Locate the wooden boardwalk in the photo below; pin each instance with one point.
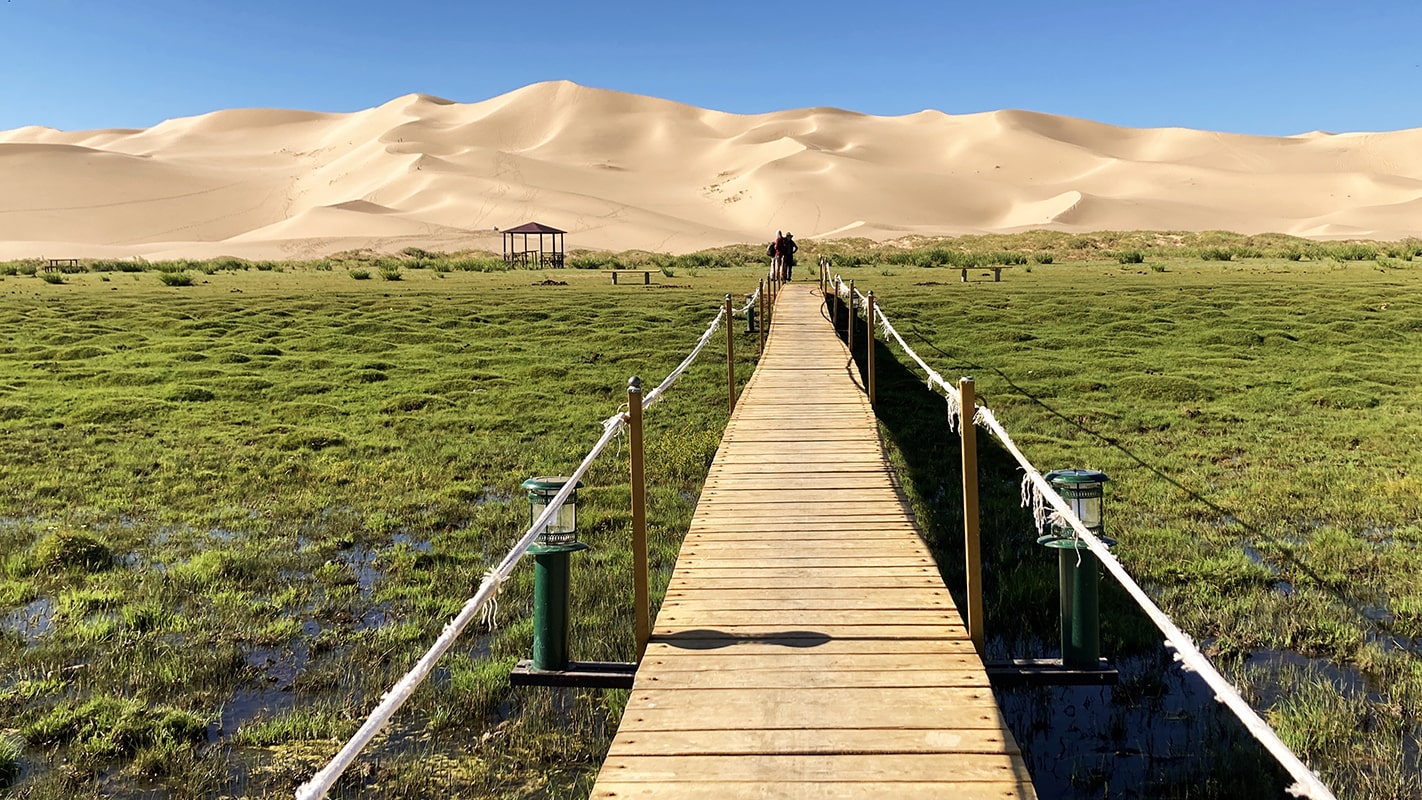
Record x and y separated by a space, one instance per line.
806 647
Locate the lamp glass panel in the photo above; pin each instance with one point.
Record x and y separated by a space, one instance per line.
1089 509
566 521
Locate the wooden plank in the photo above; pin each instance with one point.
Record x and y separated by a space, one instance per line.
804 487
809 572
800 560
764 713
807 742
870 677
719 643
815 768
858 526
731 662
788 596
712 603
679 581
818 618
767 506
612 789
866 633
830 542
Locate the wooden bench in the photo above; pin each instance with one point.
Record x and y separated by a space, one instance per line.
60 264
645 273
996 271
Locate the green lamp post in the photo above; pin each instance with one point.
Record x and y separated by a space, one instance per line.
550 552
1077 567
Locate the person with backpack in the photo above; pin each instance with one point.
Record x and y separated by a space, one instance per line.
776 262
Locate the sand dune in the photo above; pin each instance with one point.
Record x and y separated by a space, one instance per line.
620 171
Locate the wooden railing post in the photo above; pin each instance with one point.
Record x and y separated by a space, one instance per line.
852 319
869 342
834 307
730 357
967 430
641 593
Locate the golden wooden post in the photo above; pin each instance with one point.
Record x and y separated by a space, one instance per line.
851 320
967 399
730 356
869 356
641 594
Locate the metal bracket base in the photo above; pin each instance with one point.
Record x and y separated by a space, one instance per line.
1050 672
582 674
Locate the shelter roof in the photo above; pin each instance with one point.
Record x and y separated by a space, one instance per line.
533 227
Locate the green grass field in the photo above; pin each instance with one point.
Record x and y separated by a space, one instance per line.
1259 422
233 512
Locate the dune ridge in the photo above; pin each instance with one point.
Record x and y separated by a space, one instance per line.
621 171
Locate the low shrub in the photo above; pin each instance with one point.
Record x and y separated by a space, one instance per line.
52 277
175 278
1130 257
593 261
10 751
1006 259
1351 251
360 274
489 264
390 273
63 550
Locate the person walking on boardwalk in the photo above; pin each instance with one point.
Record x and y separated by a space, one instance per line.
787 253
776 261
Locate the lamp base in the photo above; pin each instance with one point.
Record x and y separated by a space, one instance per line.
1050 672
582 674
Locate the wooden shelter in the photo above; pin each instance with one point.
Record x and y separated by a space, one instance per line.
519 253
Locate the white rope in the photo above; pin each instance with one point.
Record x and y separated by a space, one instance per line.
750 302
935 380
655 395
490 617
1037 494
320 784
1306 782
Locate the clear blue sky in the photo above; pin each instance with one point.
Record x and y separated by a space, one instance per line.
1248 66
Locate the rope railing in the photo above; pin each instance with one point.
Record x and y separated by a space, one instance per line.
319 786
1037 494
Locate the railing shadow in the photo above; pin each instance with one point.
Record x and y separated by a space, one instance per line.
710 639
1255 534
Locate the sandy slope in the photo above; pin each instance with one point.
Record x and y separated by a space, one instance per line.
622 171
